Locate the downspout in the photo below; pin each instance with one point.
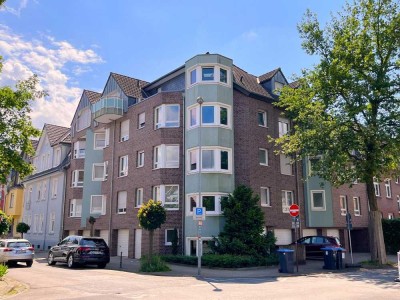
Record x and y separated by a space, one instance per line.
47 214
111 177
63 204
184 175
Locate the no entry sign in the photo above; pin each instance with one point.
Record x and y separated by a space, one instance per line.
294 210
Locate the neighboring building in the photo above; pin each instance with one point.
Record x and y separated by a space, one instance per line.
3 191
45 188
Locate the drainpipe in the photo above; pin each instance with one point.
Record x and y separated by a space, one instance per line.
111 177
47 214
64 202
183 241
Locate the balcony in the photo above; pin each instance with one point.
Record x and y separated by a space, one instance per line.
107 110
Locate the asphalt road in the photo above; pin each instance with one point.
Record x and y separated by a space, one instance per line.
59 282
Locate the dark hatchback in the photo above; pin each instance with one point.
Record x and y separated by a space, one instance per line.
313 245
78 250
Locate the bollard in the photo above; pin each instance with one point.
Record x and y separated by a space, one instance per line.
120 261
398 266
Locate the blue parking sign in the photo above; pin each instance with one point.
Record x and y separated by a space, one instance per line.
199 211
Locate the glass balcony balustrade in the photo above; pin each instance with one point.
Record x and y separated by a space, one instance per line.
108 109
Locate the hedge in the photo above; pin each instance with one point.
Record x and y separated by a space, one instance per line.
391 234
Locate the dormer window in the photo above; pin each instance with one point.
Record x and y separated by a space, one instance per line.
278 87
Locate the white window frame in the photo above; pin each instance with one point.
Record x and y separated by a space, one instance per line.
397 180
286 166
124 131
12 199
264 118
160 117
284 126
52 222
166 236
44 194
390 216
377 188
218 209
139 197
265 196
75 178
357 206
265 151
388 188
123 166
140 159
41 223
75 208
54 188
57 156
93 209
343 205
398 202
194 153
159 194
160 155
36 223
216 115
122 197
285 200
198 71
278 87
98 137
317 208
79 149
29 199
100 166
141 120
83 119
39 191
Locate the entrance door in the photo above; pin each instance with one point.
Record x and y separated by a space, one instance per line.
138 243
123 242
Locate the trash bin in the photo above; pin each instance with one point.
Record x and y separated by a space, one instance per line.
339 258
330 255
286 261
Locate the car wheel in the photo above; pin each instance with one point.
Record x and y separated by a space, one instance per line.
50 259
102 265
70 261
29 263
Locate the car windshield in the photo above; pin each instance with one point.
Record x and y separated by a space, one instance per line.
93 242
18 244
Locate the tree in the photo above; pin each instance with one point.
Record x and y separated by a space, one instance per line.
151 216
91 221
243 229
346 110
16 128
22 228
5 223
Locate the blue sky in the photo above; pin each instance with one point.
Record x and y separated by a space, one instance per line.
74 45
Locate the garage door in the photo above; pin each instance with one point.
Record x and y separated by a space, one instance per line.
138 243
283 236
332 232
309 231
104 235
123 242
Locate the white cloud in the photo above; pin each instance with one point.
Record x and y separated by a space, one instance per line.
16 10
56 63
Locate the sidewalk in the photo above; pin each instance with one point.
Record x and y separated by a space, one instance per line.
126 264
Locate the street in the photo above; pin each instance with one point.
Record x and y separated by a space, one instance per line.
59 282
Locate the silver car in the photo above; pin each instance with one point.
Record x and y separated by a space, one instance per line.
13 251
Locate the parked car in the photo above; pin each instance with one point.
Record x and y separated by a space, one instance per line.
313 245
78 250
13 251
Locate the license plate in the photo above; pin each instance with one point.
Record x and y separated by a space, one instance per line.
96 252
20 251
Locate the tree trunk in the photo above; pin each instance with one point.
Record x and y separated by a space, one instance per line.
376 241
151 235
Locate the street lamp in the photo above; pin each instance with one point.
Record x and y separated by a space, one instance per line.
200 101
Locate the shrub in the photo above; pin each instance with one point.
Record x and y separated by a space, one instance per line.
3 270
391 234
156 264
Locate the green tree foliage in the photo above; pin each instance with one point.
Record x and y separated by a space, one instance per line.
16 128
23 228
151 216
347 107
5 223
243 230
391 232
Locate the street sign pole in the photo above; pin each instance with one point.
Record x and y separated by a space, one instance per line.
294 211
199 224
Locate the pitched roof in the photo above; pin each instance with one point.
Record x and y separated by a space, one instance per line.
295 84
248 82
57 134
268 76
34 143
92 96
131 87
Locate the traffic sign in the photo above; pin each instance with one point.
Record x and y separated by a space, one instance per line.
199 214
294 210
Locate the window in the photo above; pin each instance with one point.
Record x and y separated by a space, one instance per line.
397 180
168 195
99 140
75 208
39 192
398 202
390 216
318 200
283 126
57 159
194 116
98 204
77 178
263 156
287 200
121 209
12 200
36 223
44 193
262 118
140 159
377 188
123 166
79 149
207 74
208 115
193 76
212 160
166 156
343 205
167 116
388 188
142 120
211 202
124 131
99 171
52 222
29 199
107 137
357 207
83 119
286 166
139 197
277 88
223 75
212 115
54 188
265 196
169 235
41 223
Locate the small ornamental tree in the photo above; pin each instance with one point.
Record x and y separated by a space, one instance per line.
5 223
243 230
22 228
151 216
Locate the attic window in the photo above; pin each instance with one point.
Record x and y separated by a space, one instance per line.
207 74
278 87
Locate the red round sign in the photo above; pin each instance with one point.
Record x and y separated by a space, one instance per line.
294 210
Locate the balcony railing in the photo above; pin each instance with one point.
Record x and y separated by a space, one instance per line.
108 109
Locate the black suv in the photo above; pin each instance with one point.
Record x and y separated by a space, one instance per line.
78 250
